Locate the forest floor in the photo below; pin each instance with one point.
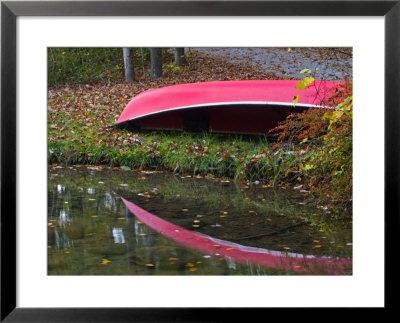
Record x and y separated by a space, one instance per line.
80 119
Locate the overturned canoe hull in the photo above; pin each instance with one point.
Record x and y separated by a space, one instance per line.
248 107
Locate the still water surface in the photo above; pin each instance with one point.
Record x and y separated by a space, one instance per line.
91 231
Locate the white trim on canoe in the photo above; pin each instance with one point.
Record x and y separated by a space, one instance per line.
248 103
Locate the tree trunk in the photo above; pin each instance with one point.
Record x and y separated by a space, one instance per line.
143 67
53 69
155 63
179 56
129 65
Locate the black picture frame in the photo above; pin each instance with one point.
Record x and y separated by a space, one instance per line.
10 10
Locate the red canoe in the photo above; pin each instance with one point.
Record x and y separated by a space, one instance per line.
252 107
240 253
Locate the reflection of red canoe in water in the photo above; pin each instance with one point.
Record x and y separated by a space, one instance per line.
210 245
223 106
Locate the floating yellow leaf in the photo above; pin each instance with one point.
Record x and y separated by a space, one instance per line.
185 210
189 264
198 262
139 222
68 252
222 216
251 211
196 221
121 218
193 269
105 261
143 234
229 248
173 259
317 246
150 265
94 216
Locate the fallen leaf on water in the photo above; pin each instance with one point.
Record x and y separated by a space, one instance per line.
121 218
105 261
150 265
216 246
173 259
189 264
185 210
317 246
94 216
251 211
196 221
222 216
142 234
68 252
193 269
229 249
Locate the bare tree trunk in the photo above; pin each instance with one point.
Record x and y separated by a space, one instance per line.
113 56
143 68
129 65
53 69
179 56
155 63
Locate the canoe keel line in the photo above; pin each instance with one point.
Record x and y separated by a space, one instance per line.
248 107
240 253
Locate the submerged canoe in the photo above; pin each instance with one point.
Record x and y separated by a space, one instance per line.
234 251
252 107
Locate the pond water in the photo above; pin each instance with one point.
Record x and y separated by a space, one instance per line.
92 232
